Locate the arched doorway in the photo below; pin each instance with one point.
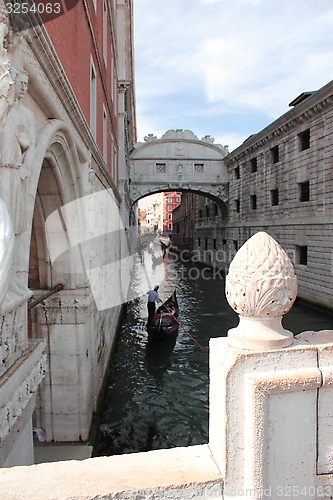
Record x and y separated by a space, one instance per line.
64 403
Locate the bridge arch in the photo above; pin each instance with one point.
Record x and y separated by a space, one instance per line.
179 161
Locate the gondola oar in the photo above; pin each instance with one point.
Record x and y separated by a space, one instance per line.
183 327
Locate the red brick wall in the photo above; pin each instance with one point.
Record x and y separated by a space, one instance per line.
73 38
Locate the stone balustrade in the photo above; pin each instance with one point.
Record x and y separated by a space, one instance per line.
270 412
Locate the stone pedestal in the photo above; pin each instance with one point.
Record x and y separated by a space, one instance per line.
270 393
263 418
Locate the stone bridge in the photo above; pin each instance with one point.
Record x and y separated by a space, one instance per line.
179 161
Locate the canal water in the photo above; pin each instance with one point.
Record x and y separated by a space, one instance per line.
158 393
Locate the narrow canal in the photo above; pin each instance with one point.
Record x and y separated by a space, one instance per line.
158 393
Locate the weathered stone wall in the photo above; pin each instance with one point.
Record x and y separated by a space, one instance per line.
289 195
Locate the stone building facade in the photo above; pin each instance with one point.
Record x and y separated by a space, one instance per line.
281 181
67 123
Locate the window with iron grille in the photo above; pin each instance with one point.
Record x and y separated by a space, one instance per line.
302 254
160 167
254 164
275 154
274 197
237 173
304 191
304 140
253 200
199 168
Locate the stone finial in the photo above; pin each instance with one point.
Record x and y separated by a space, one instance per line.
150 138
261 286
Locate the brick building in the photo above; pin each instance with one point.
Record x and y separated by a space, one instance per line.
171 200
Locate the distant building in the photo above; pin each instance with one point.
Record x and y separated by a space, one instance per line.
151 217
171 200
184 219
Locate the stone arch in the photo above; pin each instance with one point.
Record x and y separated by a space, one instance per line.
55 183
179 161
219 200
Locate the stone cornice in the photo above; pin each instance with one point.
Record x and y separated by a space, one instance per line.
301 113
141 146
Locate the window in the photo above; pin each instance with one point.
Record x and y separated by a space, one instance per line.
235 245
302 255
105 134
169 200
224 244
105 32
178 199
237 205
199 168
253 200
200 214
169 208
160 168
206 242
237 173
304 140
274 197
275 154
207 211
170 216
216 210
254 164
170 226
199 242
93 104
214 244
304 191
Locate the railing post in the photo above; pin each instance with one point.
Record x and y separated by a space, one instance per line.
263 383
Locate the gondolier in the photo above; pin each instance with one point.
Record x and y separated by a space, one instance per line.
164 323
151 304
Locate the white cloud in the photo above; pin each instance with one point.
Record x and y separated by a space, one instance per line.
237 56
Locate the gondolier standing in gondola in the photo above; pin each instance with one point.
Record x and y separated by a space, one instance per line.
151 304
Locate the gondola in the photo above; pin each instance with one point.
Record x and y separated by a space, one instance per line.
164 324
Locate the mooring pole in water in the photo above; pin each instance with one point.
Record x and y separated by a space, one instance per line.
51 292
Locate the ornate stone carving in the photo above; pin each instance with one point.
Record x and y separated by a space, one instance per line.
11 411
18 132
7 92
150 138
261 286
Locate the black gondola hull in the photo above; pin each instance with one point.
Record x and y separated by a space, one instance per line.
164 325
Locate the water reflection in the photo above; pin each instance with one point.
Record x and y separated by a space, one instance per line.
158 393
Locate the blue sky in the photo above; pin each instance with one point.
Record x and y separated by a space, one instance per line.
227 68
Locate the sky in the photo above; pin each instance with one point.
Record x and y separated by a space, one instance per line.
227 68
